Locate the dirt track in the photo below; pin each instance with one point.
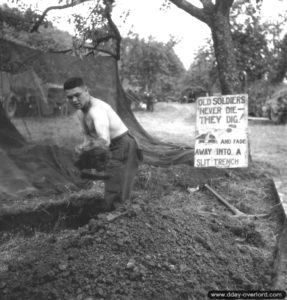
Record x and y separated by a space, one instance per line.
173 241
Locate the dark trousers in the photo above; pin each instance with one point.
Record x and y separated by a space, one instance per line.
121 169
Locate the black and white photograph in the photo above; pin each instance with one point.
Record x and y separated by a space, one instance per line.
143 149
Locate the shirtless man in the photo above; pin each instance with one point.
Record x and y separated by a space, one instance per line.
103 128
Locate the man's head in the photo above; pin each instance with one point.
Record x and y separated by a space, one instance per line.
76 92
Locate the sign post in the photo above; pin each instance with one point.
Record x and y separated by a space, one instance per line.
222 132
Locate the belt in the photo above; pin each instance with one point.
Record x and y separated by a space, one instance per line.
116 139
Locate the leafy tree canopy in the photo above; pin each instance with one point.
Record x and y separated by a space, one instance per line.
17 23
203 71
258 46
256 41
149 64
95 31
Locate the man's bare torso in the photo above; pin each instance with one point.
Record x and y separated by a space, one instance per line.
101 121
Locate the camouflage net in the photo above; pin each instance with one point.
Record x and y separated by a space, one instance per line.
31 73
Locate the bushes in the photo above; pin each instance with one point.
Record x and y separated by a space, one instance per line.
259 92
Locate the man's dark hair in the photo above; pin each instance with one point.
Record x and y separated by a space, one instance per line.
73 82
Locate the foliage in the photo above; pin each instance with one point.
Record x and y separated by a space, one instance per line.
203 71
280 69
256 41
259 49
216 15
96 29
16 26
20 18
149 64
258 91
255 53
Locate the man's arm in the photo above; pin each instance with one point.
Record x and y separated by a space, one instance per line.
86 140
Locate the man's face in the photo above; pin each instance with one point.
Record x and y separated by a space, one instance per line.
79 97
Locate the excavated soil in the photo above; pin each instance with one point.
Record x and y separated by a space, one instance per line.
174 240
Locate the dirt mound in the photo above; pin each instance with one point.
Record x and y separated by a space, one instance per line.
171 242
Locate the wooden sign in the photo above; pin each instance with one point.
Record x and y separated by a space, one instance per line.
222 132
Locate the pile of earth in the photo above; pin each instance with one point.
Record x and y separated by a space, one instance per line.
173 240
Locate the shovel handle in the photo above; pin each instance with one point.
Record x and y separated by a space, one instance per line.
234 210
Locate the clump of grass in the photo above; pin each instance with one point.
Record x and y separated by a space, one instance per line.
154 180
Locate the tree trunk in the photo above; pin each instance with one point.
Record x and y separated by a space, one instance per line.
216 16
224 53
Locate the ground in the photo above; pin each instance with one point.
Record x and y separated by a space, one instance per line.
174 240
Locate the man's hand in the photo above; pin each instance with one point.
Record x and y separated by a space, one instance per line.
91 144
93 155
95 144
79 149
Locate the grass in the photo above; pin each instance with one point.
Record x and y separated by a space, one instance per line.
269 145
172 122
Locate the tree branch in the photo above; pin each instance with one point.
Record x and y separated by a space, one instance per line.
97 43
90 47
114 28
93 48
103 39
39 22
107 52
207 4
60 51
193 10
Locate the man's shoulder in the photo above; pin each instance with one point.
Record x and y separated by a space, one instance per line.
98 106
98 103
